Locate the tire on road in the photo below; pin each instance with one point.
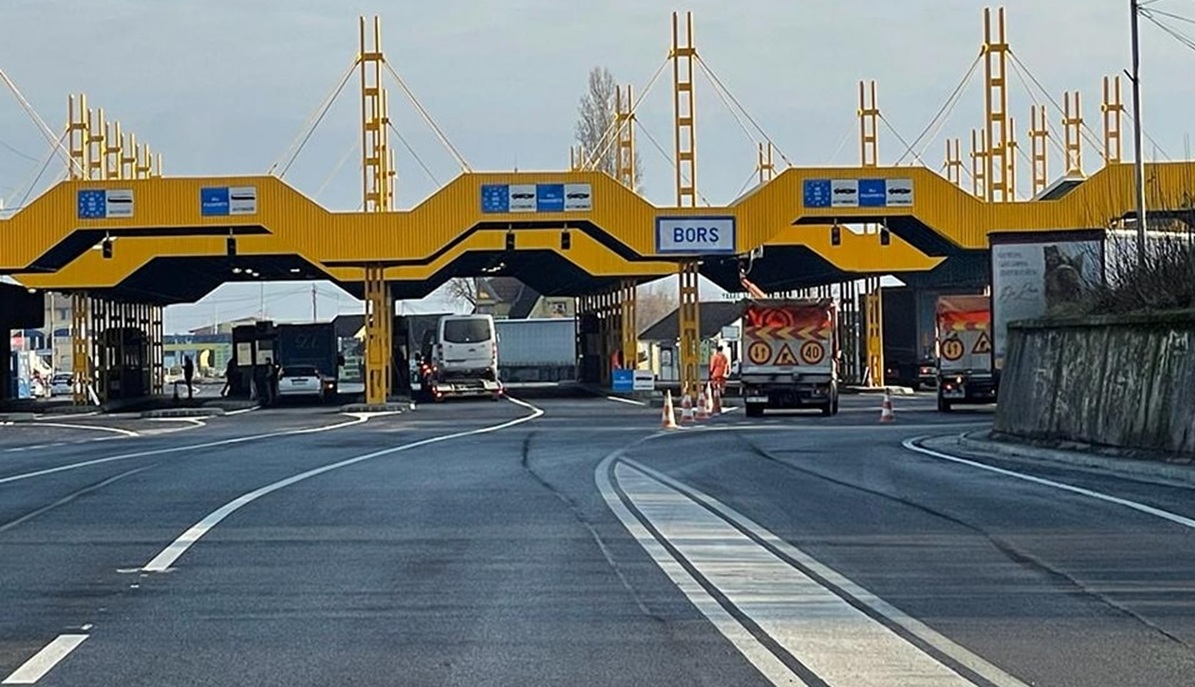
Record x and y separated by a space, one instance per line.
754 410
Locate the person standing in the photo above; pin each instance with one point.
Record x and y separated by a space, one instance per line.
189 376
719 368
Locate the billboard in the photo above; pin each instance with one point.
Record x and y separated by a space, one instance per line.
1035 273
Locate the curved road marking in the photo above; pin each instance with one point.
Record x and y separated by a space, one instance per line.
179 546
97 428
793 617
912 445
361 417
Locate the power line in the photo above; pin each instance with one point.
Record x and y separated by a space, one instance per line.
16 152
415 155
950 103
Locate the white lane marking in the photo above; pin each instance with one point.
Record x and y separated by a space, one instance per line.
915 627
179 546
43 661
241 411
628 401
911 444
764 661
813 624
173 449
96 428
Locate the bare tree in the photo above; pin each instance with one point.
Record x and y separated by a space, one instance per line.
595 121
462 290
653 303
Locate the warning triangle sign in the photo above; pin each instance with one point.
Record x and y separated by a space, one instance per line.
785 356
983 345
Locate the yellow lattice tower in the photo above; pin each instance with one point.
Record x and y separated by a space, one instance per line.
624 116
954 161
764 164
869 157
683 56
377 192
1113 109
998 155
979 165
1039 136
1072 123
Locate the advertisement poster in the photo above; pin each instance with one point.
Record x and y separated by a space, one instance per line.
1033 275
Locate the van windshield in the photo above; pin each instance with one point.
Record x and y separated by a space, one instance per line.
466 331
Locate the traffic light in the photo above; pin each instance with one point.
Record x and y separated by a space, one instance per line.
231 245
835 235
885 236
510 240
106 247
566 240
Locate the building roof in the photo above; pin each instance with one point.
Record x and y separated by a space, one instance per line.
714 316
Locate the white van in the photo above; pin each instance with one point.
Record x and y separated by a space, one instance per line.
467 347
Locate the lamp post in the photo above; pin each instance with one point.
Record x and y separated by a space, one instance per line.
1139 171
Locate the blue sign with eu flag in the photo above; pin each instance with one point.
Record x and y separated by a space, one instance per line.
214 202
495 198
817 193
93 203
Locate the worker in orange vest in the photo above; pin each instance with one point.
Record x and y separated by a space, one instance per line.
719 368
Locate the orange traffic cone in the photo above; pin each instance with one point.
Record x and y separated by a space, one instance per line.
686 408
716 401
703 408
886 408
669 419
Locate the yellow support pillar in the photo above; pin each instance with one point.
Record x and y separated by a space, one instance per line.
954 161
81 346
690 327
875 332
156 350
378 323
979 154
630 334
684 112
624 114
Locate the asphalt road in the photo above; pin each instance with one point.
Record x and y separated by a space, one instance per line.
569 541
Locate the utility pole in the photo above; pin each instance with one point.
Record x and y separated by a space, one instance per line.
1135 9
314 315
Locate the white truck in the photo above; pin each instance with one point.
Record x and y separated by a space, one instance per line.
459 357
964 343
790 355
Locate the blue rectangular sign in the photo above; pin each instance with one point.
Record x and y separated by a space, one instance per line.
873 193
93 203
549 197
214 202
495 198
623 380
817 193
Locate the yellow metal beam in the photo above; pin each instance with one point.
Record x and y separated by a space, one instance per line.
378 318
689 321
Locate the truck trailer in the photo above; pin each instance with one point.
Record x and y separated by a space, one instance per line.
790 355
964 343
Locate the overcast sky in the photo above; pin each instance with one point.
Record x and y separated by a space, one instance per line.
222 87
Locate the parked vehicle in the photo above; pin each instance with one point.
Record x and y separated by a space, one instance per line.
790 355
303 381
62 384
537 350
964 343
299 346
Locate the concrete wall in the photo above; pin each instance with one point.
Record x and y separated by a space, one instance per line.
1125 382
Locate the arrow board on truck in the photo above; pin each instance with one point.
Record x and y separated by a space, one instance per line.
759 353
812 352
785 357
983 345
952 349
